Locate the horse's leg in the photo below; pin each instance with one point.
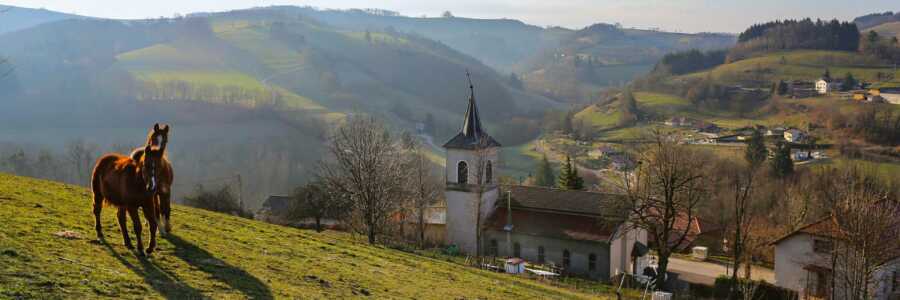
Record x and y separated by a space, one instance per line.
150 214
98 207
136 222
165 206
124 228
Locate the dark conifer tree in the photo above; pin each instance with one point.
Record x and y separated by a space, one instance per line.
756 152
544 176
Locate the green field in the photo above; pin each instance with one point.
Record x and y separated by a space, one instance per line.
800 65
210 255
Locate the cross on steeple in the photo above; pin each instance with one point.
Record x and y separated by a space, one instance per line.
471 87
472 133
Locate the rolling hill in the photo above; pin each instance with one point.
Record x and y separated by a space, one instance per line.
265 75
542 57
888 29
211 255
14 18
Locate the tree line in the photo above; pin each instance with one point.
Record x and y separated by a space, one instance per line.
796 34
685 62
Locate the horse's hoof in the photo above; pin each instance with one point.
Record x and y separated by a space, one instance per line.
150 251
140 253
129 246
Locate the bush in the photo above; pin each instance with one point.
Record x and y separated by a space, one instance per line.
222 200
764 290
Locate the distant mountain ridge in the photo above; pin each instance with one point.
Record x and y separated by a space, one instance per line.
14 18
872 20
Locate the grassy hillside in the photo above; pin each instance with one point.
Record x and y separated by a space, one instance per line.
216 256
16 18
888 29
800 64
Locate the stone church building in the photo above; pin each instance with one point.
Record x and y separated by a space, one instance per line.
568 229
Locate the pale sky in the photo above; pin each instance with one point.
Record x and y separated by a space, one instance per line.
670 15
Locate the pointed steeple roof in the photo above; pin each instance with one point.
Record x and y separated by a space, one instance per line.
472 135
472 124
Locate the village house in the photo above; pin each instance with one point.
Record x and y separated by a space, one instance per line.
573 230
603 151
680 122
775 131
435 222
802 89
794 135
803 264
826 85
274 209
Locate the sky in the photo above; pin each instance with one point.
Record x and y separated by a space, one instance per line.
670 15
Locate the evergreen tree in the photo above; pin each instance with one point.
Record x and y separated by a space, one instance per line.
543 176
568 177
782 88
568 126
756 151
849 82
628 108
782 165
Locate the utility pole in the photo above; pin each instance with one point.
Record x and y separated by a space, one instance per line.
240 191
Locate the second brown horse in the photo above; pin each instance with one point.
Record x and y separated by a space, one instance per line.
129 185
159 137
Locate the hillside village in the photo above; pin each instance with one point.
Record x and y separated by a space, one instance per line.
364 154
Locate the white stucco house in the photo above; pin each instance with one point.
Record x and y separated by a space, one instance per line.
803 264
825 86
794 135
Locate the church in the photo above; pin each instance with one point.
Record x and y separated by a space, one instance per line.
568 229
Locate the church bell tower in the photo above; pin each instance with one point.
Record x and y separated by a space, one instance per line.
471 178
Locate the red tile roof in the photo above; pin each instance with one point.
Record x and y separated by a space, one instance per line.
553 224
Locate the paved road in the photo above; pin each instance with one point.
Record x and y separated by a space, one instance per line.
705 272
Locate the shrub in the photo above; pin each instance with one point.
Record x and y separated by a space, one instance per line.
221 200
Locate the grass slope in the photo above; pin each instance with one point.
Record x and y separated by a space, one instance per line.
799 64
211 255
887 29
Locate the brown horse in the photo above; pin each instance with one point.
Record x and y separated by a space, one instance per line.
128 184
159 137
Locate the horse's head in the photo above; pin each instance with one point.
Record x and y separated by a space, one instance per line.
150 166
159 136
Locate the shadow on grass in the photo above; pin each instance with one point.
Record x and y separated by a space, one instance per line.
168 285
234 277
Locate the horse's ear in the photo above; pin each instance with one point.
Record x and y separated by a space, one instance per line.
156 127
165 129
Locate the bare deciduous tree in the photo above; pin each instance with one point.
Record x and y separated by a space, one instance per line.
742 182
664 193
80 156
424 187
366 166
866 216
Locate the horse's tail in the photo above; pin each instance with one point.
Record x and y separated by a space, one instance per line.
95 185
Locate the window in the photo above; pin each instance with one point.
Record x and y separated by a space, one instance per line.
592 262
822 246
462 173
488 173
494 250
566 258
541 254
517 250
